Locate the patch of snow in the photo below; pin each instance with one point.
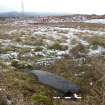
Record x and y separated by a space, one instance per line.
39 54
84 42
13 55
61 53
11 32
99 21
8 43
99 51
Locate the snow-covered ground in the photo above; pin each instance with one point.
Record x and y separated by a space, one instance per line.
66 37
99 51
99 21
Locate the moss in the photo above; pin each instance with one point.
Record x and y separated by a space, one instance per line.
57 46
21 65
94 47
41 100
38 49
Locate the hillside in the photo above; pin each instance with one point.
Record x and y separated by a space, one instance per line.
63 45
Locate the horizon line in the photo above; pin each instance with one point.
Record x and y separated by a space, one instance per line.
59 13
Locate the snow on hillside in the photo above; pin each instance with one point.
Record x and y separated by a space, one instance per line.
99 21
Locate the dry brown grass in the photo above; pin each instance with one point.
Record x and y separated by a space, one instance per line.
94 72
90 75
99 40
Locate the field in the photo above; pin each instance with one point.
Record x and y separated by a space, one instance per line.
74 50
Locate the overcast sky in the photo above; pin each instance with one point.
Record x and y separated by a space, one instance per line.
62 6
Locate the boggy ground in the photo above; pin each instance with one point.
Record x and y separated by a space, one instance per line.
73 50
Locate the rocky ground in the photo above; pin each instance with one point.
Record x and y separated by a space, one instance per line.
74 50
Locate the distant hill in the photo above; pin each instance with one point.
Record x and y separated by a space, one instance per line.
52 17
27 14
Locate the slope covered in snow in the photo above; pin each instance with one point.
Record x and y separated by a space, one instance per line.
99 21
